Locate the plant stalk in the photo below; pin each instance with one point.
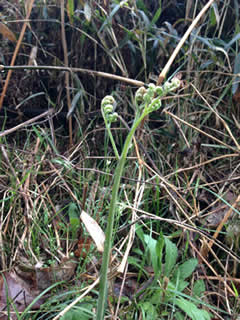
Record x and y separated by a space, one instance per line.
111 137
109 232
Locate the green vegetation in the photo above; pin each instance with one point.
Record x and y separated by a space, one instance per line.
119 176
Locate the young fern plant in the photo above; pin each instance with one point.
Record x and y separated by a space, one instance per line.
146 101
107 107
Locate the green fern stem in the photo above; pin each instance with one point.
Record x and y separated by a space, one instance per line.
146 101
109 231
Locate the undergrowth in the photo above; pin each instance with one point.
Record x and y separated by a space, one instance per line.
175 250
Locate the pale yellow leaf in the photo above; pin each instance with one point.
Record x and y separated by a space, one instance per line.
94 230
33 55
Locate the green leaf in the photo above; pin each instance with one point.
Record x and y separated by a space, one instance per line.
108 20
140 5
179 316
149 311
235 290
187 268
159 251
151 246
157 296
198 288
181 285
70 10
214 15
156 16
177 287
73 219
74 103
82 313
191 310
145 19
170 256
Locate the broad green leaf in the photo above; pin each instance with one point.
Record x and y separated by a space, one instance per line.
198 288
151 246
68 315
177 287
73 219
170 256
179 316
187 268
191 310
157 296
181 285
149 311
140 233
83 313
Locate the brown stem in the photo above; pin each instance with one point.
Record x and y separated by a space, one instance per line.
16 52
65 52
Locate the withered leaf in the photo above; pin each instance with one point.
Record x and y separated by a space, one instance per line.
46 276
7 33
220 209
19 292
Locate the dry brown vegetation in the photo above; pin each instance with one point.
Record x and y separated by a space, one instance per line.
180 187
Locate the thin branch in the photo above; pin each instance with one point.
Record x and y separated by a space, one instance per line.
86 71
21 125
162 75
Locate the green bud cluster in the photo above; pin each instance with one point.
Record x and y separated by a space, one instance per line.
139 95
150 99
108 106
171 86
147 99
154 105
